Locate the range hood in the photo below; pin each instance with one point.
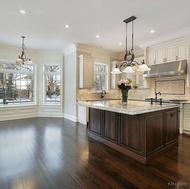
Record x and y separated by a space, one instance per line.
167 69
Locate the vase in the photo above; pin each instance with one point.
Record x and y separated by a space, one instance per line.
124 95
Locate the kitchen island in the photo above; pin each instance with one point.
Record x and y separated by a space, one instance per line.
141 130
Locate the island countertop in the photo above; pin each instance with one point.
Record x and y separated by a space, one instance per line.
131 108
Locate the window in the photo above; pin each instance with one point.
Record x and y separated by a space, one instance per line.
52 84
100 77
16 83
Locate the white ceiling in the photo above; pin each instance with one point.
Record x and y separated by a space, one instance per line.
45 20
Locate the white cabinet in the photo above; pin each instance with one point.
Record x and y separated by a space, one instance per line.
160 56
114 78
181 51
85 71
167 53
151 57
139 75
83 115
186 118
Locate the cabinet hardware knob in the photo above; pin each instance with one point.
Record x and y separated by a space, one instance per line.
171 115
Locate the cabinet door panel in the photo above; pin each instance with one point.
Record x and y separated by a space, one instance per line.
187 123
95 121
114 78
160 55
181 51
132 133
151 57
110 126
154 132
170 53
171 126
85 71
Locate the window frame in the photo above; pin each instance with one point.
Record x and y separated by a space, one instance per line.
45 74
100 73
13 71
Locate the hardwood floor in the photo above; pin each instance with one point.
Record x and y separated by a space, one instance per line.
40 153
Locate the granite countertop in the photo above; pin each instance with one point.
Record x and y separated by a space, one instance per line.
131 108
97 99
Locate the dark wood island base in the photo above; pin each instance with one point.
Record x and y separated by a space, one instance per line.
142 137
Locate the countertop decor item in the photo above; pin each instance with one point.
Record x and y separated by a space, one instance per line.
135 86
124 86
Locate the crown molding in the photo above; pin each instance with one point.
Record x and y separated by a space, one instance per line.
183 33
72 47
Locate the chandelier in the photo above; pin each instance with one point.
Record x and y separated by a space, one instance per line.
129 56
22 59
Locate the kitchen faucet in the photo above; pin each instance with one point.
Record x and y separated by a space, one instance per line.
156 94
103 93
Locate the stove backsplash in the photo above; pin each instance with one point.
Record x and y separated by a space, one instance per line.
170 88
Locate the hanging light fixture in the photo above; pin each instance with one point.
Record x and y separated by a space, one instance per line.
143 67
129 56
22 59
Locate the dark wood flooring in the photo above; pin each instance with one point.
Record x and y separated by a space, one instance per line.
55 153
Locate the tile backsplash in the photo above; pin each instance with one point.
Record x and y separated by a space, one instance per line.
170 88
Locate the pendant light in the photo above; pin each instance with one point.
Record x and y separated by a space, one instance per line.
22 59
129 56
143 67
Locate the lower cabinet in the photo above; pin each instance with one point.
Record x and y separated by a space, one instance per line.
186 119
154 132
96 121
110 126
171 126
141 137
132 133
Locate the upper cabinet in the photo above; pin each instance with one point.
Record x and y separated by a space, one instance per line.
114 78
167 53
151 57
181 51
86 71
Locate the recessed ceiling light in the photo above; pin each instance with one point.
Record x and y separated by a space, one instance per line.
22 11
120 43
97 36
152 31
66 26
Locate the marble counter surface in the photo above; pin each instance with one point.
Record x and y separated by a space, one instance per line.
131 108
